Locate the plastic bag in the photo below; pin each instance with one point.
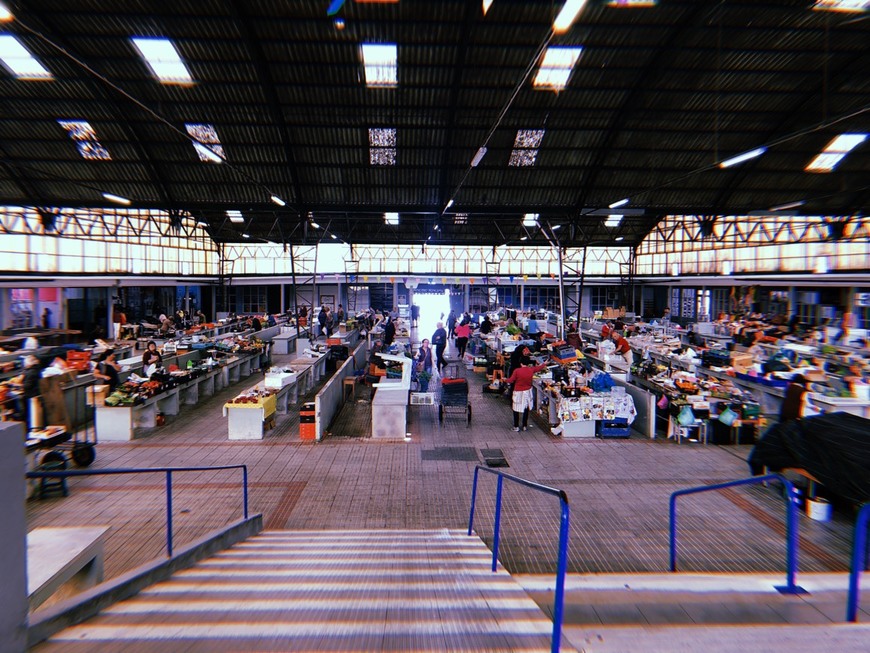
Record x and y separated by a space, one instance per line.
663 402
686 416
728 416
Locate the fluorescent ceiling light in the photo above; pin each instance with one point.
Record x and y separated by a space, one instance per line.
835 151
526 144
842 5
381 64
478 157
567 16
437 227
449 204
6 14
19 61
524 238
333 236
631 4
786 207
391 218
246 235
206 142
555 68
277 200
235 216
117 199
558 226
619 238
85 138
740 158
616 205
530 219
163 60
315 225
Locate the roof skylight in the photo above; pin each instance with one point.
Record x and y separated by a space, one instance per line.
530 219
526 145
206 142
391 218
842 5
835 151
381 64
85 139
382 146
163 60
555 68
235 216
460 218
613 220
18 60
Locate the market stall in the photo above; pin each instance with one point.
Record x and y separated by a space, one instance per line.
251 413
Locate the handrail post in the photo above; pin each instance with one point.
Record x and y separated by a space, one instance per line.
859 540
473 499
559 599
673 534
169 512
791 553
245 490
497 526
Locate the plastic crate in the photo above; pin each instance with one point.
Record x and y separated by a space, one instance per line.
422 399
613 428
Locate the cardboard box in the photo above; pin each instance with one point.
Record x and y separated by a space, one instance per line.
95 395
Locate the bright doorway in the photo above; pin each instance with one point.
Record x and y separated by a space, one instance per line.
432 306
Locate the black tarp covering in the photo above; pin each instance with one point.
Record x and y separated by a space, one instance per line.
835 448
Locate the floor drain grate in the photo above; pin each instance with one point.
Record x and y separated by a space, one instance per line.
494 458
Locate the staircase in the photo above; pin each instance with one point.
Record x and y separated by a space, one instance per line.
326 590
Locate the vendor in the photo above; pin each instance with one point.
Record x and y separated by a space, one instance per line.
107 369
623 348
796 403
486 325
29 386
151 355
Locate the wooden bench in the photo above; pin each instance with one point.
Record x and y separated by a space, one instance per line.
62 562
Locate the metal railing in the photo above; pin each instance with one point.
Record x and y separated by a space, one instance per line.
791 522
559 600
145 470
859 543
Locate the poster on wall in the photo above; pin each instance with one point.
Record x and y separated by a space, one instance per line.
328 301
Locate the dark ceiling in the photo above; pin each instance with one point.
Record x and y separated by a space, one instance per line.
659 96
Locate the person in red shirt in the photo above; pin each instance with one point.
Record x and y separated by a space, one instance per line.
521 401
606 330
622 347
463 333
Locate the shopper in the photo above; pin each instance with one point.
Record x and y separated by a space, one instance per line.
29 387
415 315
486 325
322 319
423 362
521 401
339 314
389 332
107 369
439 339
463 333
451 324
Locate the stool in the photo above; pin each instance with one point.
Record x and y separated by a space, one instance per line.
51 485
349 387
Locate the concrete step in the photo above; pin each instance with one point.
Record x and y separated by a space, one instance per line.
326 590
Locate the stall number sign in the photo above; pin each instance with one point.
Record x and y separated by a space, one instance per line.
862 299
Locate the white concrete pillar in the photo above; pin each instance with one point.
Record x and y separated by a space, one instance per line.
13 539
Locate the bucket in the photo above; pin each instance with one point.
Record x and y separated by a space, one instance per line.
818 509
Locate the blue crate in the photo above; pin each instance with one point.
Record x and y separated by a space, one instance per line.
613 428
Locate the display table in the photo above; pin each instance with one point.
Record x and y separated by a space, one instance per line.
578 415
245 421
390 403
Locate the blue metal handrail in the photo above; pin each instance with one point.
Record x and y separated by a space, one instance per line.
791 524
859 542
143 470
558 608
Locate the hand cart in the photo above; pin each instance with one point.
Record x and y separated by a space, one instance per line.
454 398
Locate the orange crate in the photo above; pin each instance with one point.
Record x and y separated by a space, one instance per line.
307 432
78 360
333 341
